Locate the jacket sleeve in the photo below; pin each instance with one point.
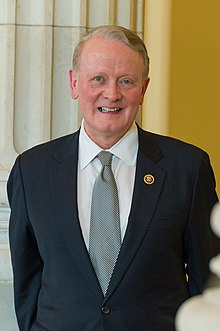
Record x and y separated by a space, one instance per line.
26 261
200 242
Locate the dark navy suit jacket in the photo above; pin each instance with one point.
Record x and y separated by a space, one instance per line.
168 235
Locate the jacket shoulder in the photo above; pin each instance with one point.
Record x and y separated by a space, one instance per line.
49 148
171 145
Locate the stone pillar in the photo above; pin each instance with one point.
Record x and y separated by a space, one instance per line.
37 39
7 153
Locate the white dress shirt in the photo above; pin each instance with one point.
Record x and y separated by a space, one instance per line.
123 166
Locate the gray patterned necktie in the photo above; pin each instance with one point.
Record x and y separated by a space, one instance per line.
105 234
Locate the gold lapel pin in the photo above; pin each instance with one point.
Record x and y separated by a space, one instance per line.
149 179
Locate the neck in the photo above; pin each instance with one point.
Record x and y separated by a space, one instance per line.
105 142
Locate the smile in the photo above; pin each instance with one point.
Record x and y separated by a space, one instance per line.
108 110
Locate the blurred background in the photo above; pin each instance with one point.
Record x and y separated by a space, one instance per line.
36 42
191 104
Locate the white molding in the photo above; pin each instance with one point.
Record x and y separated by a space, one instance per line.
157 32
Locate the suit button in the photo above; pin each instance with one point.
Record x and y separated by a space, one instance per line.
106 310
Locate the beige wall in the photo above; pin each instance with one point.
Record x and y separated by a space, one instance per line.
195 76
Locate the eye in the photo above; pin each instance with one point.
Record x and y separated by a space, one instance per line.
126 82
98 79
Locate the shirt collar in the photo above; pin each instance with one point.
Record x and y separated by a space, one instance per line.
125 149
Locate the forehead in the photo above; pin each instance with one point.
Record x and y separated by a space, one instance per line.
99 50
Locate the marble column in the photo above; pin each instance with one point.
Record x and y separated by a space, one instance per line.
7 153
36 43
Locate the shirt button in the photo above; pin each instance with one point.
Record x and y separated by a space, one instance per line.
106 310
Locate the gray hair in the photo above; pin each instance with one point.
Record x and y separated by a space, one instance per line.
113 32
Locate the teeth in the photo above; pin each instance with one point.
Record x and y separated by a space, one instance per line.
107 110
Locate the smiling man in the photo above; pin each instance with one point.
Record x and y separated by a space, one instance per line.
110 84
106 223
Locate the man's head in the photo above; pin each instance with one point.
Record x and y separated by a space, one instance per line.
109 77
113 32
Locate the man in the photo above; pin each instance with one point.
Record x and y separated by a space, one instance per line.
166 190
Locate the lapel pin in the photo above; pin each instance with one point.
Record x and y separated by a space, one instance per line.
149 179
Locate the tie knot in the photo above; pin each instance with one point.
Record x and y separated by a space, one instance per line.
105 158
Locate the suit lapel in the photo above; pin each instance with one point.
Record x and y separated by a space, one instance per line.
144 201
63 182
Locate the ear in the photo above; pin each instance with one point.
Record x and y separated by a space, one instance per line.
73 83
144 89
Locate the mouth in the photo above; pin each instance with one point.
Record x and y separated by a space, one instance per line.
109 110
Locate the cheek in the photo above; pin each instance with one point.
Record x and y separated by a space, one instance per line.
87 102
135 97
88 94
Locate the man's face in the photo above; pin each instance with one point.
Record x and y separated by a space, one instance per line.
110 88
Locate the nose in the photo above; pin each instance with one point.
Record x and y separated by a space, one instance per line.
112 91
